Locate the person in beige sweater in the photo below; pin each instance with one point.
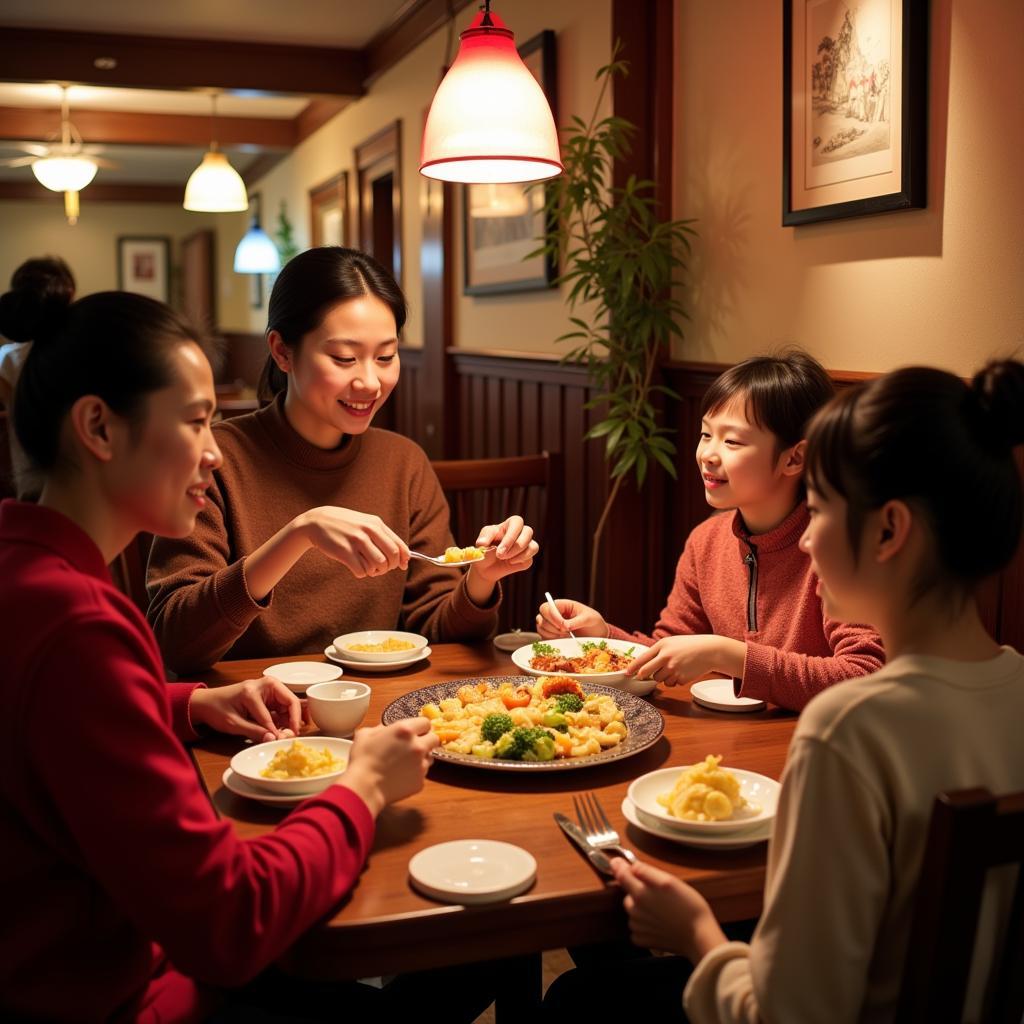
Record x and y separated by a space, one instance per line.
897 473
307 484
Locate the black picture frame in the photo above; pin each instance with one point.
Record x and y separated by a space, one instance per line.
537 273
853 97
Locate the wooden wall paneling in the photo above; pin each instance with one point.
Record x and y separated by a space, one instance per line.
199 278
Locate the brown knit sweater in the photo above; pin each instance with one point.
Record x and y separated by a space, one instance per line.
200 608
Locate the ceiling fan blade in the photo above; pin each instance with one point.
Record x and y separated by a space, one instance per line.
100 161
18 161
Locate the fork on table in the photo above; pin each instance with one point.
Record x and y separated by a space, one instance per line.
597 827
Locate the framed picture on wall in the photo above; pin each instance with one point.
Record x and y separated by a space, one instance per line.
328 212
854 113
502 224
144 266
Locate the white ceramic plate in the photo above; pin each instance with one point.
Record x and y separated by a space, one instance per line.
297 675
732 841
250 761
331 653
523 657
760 792
343 645
513 641
240 787
718 695
472 871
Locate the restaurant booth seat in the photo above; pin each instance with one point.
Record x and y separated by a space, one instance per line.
482 491
971 832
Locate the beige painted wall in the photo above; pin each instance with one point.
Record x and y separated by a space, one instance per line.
941 286
37 228
529 321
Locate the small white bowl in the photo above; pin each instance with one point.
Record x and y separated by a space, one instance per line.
338 707
760 792
522 657
297 675
343 645
251 761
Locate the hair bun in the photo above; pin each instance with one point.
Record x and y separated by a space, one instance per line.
29 316
999 393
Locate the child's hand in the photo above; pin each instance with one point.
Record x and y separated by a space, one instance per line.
666 913
259 709
580 618
675 660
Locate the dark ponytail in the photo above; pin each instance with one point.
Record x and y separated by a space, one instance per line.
924 436
113 345
41 291
309 286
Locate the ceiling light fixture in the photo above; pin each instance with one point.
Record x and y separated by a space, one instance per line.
490 121
215 186
256 252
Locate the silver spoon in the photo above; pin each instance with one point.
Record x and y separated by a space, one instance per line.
440 559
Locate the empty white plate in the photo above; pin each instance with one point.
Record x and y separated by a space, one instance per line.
513 641
718 695
472 871
331 652
730 841
297 675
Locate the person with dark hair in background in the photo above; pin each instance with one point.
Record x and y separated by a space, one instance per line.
125 896
306 483
40 289
915 498
743 603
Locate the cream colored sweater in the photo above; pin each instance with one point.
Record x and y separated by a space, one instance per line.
867 760
200 608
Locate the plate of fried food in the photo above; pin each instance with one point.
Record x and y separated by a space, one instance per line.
523 723
589 659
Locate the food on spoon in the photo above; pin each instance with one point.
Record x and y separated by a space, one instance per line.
463 554
391 644
546 720
704 792
301 761
596 657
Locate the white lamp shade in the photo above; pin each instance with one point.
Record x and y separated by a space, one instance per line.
64 173
256 253
215 187
490 121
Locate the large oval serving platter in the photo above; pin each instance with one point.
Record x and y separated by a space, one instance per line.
643 721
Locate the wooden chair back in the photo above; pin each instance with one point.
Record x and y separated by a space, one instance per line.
7 488
128 570
971 831
482 491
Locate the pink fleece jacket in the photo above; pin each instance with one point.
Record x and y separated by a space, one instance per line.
760 589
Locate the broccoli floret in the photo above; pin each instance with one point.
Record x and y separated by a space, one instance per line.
542 748
522 741
555 720
495 726
506 747
568 702
541 648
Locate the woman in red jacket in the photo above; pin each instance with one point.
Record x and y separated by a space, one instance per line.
125 897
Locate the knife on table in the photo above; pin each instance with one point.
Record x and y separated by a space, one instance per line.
596 857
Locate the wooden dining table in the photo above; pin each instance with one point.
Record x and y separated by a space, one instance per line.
385 926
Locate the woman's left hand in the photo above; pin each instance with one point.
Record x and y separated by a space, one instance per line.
665 913
259 709
514 549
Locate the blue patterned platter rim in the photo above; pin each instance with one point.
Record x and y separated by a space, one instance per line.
643 721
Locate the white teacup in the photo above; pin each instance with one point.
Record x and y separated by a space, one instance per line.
338 707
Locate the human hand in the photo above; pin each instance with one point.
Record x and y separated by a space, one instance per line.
580 618
513 550
665 913
388 762
675 660
363 543
260 709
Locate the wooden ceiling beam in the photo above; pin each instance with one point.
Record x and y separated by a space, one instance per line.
400 39
149 62
132 128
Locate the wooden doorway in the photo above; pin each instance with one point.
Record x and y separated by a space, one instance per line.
198 279
379 171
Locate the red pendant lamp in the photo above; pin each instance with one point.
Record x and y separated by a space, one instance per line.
490 121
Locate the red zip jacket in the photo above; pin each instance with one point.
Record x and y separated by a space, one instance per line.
760 589
125 898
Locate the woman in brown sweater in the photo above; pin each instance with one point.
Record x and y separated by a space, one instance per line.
307 483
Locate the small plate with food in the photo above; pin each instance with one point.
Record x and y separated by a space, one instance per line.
331 653
729 841
522 723
298 767
707 798
589 659
380 645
